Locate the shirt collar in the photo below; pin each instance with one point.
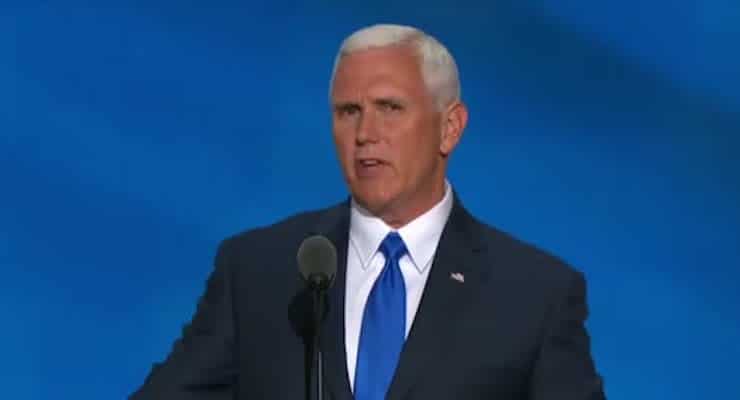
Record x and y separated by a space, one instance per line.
421 235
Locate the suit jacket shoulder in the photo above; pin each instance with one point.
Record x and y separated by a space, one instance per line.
525 261
281 235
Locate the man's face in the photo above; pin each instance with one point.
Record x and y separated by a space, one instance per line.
387 131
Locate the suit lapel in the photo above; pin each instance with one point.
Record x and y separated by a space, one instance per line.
335 226
453 279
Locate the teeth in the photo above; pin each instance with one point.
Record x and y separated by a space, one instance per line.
369 163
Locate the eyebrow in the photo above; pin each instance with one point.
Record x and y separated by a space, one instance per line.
343 105
377 101
388 100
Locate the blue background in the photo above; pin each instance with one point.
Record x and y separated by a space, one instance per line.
137 135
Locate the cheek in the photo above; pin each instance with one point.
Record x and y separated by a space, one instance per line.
417 145
345 152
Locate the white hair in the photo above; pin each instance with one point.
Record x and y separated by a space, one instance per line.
438 68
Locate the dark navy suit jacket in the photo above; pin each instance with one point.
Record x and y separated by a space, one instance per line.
514 329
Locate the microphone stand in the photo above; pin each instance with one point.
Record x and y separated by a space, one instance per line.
318 292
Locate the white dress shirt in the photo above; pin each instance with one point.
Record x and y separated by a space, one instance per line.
365 262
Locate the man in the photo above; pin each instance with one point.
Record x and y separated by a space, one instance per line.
428 302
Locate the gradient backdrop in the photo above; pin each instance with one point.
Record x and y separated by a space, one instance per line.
135 136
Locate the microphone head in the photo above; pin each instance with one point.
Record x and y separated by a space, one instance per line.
317 261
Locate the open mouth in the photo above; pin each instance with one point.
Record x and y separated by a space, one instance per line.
369 162
368 167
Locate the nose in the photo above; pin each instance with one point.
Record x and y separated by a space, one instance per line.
367 129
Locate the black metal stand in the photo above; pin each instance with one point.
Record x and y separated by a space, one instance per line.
317 361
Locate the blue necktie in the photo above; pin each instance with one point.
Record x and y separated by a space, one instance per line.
383 325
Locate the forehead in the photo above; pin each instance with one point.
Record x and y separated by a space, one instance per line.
386 69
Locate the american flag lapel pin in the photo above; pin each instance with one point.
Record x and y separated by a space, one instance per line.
457 276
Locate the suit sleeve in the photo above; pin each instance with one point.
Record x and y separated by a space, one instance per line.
201 363
565 369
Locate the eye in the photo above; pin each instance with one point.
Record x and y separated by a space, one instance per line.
388 105
345 110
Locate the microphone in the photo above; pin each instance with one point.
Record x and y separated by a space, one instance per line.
317 263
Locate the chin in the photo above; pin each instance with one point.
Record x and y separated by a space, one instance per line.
372 200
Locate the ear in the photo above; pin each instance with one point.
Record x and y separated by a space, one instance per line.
454 120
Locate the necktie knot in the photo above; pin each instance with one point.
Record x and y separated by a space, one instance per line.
393 247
